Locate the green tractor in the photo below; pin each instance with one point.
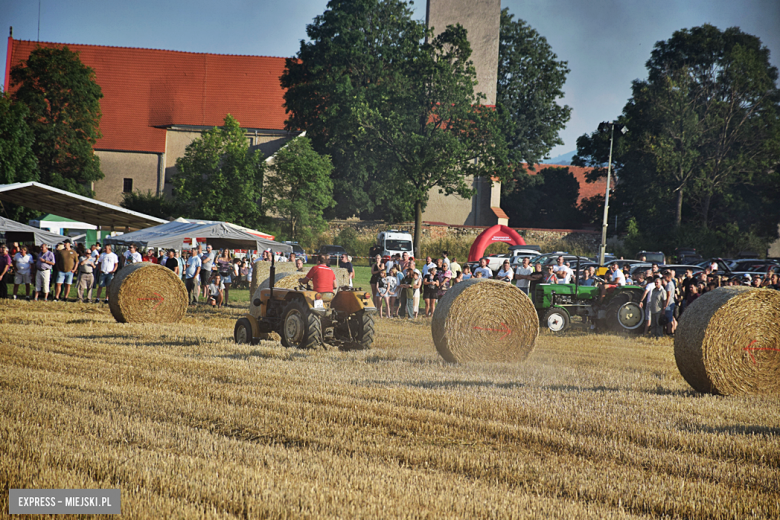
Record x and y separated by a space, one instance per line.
561 306
306 319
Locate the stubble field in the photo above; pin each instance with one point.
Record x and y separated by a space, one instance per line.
188 424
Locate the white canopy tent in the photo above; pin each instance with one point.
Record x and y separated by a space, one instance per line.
218 234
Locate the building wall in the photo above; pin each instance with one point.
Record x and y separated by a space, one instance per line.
117 166
482 20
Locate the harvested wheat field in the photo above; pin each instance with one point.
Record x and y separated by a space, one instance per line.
188 424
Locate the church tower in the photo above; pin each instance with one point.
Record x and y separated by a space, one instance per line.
482 21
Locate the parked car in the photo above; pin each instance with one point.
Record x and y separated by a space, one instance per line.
687 256
752 264
652 256
334 251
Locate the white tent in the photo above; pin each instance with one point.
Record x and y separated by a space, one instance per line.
18 232
218 234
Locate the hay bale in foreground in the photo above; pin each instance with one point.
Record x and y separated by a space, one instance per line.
147 293
485 320
728 342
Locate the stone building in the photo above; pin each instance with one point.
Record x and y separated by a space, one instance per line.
156 102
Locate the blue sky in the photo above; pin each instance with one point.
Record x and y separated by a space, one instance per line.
605 42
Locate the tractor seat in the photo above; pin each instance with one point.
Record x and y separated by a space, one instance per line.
328 296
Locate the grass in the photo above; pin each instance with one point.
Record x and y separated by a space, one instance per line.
188 424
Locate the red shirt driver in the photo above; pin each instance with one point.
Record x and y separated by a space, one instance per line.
322 277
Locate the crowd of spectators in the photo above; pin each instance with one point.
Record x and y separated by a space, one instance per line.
43 271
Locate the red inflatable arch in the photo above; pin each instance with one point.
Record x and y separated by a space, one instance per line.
497 233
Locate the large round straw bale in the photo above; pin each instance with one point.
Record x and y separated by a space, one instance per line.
728 342
283 281
484 320
262 270
147 293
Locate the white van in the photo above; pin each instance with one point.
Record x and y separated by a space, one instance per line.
388 243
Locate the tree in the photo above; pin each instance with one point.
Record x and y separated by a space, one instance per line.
63 99
17 160
547 199
150 204
220 178
400 106
530 81
299 187
705 128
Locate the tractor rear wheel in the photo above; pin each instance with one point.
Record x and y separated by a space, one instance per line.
362 328
625 315
556 320
301 328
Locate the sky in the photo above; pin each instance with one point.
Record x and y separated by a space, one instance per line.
605 42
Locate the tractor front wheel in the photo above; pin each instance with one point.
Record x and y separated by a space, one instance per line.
301 328
242 333
556 320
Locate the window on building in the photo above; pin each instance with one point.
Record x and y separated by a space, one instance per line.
128 186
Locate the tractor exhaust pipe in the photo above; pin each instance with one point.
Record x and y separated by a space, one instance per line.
272 276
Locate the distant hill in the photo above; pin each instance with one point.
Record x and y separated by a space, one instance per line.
564 159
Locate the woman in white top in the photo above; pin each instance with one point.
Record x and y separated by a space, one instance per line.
505 274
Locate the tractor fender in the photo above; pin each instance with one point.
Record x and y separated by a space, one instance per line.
255 325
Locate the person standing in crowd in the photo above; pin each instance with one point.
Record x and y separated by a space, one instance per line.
383 288
549 276
377 267
67 263
562 271
207 259
150 256
392 292
445 260
6 263
23 265
216 291
523 275
225 270
344 263
430 290
428 264
455 267
445 281
172 263
484 269
43 267
586 280
298 265
191 273
181 265
86 276
108 263
94 251
467 272
656 305
505 274
670 288
132 256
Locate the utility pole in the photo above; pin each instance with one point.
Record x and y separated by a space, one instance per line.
602 128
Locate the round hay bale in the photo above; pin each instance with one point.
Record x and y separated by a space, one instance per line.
262 270
728 342
484 320
147 293
283 281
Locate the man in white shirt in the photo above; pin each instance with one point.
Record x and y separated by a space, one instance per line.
22 263
484 269
562 271
132 256
107 266
428 264
523 275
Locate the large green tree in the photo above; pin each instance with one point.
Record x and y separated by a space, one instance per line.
299 188
395 102
705 136
530 83
220 178
63 100
547 199
17 159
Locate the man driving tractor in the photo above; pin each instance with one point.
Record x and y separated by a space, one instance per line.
322 277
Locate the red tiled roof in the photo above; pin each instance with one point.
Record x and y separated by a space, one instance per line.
587 189
499 212
148 88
